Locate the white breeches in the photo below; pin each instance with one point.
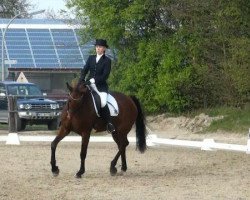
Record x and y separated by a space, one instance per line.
103 95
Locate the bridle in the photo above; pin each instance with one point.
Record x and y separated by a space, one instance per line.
75 99
78 99
70 111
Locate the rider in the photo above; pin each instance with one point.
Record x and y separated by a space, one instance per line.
99 67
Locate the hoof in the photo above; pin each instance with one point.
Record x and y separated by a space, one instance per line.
55 172
113 171
124 169
78 175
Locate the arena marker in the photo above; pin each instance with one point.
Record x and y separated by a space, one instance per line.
248 143
13 139
150 140
207 145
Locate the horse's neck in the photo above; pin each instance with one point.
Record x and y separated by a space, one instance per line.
87 106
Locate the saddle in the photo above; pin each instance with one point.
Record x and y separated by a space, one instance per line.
111 102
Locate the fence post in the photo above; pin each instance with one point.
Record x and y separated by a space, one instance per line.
12 112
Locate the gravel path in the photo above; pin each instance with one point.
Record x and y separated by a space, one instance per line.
160 173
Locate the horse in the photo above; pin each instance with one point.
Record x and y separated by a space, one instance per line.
79 116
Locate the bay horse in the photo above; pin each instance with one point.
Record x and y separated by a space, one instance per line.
80 117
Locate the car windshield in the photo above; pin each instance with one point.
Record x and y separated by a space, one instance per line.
30 90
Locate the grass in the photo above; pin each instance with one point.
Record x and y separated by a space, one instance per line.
235 119
4 126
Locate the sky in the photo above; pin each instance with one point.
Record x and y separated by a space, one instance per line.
56 5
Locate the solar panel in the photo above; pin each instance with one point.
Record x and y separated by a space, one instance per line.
44 44
17 48
67 48
43 47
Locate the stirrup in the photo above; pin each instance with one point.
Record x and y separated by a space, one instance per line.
110 128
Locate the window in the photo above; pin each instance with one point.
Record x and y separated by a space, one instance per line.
2 90
12 90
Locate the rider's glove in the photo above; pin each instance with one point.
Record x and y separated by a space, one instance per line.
92 80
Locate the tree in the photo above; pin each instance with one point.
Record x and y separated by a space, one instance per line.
174 55
9 8
221 33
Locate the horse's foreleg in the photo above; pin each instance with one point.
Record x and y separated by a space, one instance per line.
59 137
85 142
54 168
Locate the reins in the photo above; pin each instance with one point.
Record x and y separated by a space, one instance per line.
70 111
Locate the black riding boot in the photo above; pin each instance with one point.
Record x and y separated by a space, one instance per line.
106 116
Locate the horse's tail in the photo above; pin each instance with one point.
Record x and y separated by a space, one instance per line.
140 127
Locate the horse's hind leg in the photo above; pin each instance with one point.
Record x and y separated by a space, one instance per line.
113 163
122 144
113 169
125 143
59 137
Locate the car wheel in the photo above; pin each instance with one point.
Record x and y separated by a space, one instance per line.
53 124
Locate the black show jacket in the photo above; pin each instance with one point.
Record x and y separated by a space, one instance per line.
99 71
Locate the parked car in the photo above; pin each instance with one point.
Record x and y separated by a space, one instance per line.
32 107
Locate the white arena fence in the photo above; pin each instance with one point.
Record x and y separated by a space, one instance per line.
152 140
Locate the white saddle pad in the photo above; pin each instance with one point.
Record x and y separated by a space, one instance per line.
113 106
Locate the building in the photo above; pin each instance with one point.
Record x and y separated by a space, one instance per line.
49 52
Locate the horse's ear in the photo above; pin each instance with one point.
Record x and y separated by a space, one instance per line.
69 87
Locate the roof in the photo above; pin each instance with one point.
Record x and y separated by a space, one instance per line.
33 21
43 44
15 83
39 23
